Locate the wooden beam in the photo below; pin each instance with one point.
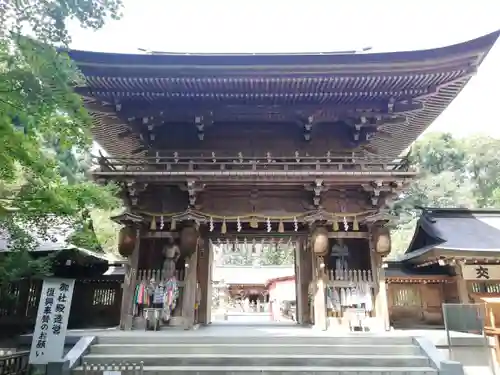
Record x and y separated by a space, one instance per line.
164 110
463 292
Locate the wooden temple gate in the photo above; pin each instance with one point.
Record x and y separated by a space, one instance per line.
302 148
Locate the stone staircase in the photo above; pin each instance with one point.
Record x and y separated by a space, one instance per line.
186 355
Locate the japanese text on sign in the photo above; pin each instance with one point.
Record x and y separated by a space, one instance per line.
481 272
52 320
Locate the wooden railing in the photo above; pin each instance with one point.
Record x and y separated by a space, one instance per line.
350 276
15 364
179 163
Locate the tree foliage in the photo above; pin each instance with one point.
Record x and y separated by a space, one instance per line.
42 123
455 172
256 255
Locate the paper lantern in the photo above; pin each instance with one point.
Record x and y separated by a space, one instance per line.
382 240
127 238
188 240
319 241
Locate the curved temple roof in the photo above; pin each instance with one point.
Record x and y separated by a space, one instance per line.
145 82
445 231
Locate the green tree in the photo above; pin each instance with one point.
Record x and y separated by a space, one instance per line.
438 152
39 112
256 255
277 254
237 255
482 166
454 173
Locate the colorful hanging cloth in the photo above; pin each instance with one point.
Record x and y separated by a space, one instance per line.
141 296
171 294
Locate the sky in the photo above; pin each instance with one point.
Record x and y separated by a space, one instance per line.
255 26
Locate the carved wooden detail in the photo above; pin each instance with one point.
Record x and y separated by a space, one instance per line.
164 198
345 201
244 201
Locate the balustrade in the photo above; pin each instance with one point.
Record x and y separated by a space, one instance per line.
341 276
15 363
179 163
146 275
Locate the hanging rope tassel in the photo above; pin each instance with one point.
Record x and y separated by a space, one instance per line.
152 226
355 224
173 225
335 226
223 229
281 227
254 223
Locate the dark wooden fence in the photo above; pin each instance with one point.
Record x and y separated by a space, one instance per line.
14 364
96 303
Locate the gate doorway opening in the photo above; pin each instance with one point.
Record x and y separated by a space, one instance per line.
254 282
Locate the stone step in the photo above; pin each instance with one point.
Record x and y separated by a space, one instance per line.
273 370
276 340
260 360
253 349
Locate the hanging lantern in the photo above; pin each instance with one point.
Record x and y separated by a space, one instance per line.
319 241
381 237
127 238
188 239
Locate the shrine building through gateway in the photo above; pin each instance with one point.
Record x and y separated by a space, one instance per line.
302 149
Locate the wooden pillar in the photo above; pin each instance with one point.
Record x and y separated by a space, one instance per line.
298 284
204 280
380 290
303 280
462 290
380 245
320 321
210 284
190 288
131 268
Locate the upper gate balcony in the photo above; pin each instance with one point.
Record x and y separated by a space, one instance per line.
182 166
